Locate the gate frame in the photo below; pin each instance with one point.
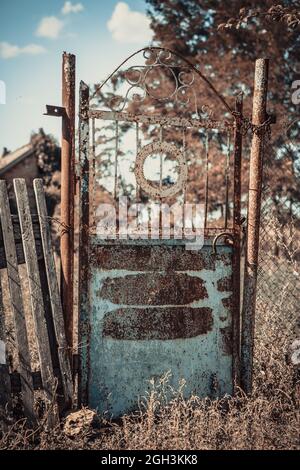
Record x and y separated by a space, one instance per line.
255 168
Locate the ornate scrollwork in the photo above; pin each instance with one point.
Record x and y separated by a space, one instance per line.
162 78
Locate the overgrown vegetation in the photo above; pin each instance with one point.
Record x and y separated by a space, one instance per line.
269 419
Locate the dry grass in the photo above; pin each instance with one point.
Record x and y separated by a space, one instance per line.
267 420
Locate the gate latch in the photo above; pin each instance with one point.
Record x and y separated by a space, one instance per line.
57 111
228 237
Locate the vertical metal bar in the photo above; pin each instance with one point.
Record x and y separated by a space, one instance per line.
93 145
67 192
92 177
236 258
185 187
116 160
137 150
206 178
252 243
227 181
84 223
160 158
238 141
160 178
184 154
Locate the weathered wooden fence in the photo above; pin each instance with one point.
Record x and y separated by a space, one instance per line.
25 238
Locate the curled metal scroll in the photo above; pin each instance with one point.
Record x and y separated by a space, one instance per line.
182 75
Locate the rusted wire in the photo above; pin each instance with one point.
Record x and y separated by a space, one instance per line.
246 125
54 219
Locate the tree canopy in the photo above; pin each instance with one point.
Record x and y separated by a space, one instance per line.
225 38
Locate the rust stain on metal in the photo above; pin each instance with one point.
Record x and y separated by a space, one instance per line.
224 258
228 302
226 340
161 120
224 284
153 289
157 323
153 258
214 384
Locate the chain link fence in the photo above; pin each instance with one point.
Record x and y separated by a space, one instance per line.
278 288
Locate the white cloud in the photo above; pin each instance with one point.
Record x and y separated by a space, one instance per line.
8 51
50 27
129 26
33 49
69 7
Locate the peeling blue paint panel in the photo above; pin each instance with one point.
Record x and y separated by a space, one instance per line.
155 308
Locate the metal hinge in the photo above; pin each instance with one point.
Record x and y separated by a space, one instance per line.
57 111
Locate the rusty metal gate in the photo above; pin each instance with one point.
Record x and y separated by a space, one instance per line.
150 301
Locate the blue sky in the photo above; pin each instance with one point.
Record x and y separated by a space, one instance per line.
33 35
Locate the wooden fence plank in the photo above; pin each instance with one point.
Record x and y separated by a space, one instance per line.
24 366
5 388
15 381
57 311
51 334
18 241
48 378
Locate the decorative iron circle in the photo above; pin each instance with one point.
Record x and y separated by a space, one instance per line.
146 185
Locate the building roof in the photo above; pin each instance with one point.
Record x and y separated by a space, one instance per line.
13 158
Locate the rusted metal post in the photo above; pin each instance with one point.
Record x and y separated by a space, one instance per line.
67 192
252 242
238 138
84 224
